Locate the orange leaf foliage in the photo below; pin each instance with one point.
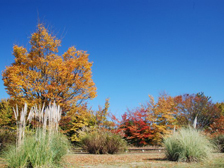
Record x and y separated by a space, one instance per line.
162 116
192 105
217 127
41 75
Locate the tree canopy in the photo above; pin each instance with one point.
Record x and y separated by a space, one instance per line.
40 75
197 105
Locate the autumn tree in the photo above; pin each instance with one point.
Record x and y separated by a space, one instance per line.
79 117
136 128
102 116
149 123
196 105
220 106
162 116
217 127
6 114
40 75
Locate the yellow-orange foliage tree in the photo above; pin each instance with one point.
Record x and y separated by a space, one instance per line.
85 120
41 75
6 115
101 116
162 116
81 118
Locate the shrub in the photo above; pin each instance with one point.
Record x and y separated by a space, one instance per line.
101 142
7 137
219 142
38 150
187 145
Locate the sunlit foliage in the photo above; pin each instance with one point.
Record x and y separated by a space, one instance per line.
102 116
163 117
79 118
190 106
137 130
6 114
40 75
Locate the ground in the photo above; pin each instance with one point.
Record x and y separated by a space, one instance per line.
136 160
133 160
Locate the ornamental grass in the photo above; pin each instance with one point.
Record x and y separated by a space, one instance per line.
188 145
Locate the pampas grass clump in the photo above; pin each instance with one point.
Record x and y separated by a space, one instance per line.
45 146
38 151
188 145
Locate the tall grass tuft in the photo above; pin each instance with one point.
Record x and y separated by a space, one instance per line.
38 151
46 146
188 145
102 142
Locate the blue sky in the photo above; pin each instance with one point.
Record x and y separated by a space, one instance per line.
139 47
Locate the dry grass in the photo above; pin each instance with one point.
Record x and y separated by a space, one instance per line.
140 160
89 160
2 163
132 160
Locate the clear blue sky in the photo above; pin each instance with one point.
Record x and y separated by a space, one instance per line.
139 47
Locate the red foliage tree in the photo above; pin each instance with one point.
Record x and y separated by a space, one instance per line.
136 129
217 127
